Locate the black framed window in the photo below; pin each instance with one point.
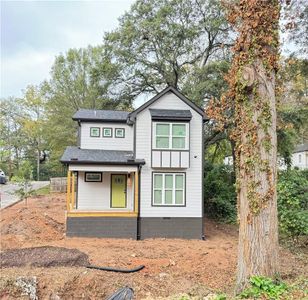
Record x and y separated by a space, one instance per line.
93 177
95 131
107 132
119 132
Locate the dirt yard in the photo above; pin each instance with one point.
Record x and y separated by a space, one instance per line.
171 266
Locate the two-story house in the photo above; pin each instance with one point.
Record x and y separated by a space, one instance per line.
138 174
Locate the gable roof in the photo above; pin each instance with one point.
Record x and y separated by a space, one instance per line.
162 93
96 115
170 114
75 155
301 148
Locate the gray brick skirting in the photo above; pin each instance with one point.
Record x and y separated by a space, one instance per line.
109 227
122 227
183 228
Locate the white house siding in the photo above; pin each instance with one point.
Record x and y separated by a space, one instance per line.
193 173
106 143
94 196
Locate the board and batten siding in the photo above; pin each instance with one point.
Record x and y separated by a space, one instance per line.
194 176
106 143
96 195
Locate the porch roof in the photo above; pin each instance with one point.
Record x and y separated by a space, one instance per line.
75 155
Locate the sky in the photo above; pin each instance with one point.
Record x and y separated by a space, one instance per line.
34 32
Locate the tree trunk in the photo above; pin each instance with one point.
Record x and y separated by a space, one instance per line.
257 198
38 165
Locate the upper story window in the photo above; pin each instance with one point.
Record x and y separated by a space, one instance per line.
95 131
119 132
171 136
107 132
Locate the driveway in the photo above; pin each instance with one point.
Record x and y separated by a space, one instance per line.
7 196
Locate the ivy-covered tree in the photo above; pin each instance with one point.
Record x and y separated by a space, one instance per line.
249 108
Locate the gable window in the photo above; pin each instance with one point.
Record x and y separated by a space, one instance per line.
107 132
95 131
171 136
168 189
119 132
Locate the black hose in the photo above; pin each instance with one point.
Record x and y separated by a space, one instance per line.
115 270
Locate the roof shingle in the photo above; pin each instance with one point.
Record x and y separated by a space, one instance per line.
301 148
75 155
101 115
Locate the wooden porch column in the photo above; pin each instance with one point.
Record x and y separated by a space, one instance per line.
73 191
68 191
136 185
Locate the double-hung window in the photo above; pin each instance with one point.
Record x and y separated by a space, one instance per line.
171 136
169 189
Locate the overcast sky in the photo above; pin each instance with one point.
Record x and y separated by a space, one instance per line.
34 32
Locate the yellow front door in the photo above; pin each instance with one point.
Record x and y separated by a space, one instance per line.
118 190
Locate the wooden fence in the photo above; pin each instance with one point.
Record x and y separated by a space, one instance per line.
58 185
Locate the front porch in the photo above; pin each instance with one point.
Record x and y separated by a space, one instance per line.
102 191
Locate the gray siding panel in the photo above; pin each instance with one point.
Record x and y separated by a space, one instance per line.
183 228
107 227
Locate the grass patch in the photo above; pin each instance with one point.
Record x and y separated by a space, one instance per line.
43 191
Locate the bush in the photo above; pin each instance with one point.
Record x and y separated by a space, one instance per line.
292 189
219 192
292 192
264 288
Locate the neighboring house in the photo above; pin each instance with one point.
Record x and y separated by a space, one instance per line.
299 158
138 174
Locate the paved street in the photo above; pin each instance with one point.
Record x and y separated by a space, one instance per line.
7 191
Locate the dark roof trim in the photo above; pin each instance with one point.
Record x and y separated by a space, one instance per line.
162 93
171 119
99 120
170 114
92 162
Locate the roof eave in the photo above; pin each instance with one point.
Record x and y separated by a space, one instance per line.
92 162
99 120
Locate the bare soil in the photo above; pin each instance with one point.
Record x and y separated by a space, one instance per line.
46 256
172 266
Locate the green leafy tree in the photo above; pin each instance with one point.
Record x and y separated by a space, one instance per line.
81 78
33 106
12 138
162 42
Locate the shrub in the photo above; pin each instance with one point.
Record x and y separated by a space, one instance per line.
292 189
264 287
219 192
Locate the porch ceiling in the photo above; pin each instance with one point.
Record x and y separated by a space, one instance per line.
103 168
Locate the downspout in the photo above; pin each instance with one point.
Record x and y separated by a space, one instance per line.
138 213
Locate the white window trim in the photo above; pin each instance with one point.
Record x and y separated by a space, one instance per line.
174 189
170 135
